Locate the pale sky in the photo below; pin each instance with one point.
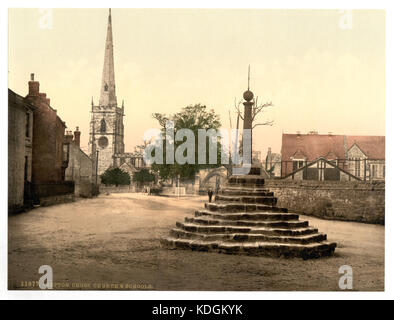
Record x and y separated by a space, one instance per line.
318 75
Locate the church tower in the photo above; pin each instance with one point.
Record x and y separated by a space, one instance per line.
106 125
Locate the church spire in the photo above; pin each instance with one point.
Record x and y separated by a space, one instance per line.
108 96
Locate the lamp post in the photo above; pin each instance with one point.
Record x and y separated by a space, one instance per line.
97 154
178 186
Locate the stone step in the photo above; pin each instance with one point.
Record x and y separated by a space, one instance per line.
284 225
184 233
268 200
246 180
196 227
246 189
241 192
254 216
242 207
287 250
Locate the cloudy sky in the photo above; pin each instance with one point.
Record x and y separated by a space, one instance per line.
323 70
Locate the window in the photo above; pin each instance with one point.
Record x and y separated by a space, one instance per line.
357 167
103 126
297 164
374 171
27 133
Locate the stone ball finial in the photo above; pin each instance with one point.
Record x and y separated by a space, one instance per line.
248 95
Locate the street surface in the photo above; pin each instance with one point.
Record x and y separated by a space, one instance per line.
112 242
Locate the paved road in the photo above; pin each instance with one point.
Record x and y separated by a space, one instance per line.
113 242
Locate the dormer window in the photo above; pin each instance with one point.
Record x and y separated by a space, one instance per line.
298 163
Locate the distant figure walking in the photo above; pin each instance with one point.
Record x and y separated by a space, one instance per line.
210 194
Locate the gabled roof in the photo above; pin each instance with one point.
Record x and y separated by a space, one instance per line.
15 100
129 168
322 145
372 146
312 145
331 155
299 154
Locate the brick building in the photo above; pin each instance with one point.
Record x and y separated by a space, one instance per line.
48 133
361 157
366 157
20 142
49 159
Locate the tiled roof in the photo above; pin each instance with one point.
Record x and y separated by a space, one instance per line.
313 146
372 146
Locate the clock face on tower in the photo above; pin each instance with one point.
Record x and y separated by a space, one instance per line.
103 142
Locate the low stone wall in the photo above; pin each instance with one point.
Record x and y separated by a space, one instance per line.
349 201
59 199
85 189
51 193
117 189
50 189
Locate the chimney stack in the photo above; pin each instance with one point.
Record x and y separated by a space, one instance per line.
77 137
34 86
68 137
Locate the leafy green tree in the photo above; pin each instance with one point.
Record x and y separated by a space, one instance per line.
143 176
192 117
115 176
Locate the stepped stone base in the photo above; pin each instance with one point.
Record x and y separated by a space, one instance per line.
244 219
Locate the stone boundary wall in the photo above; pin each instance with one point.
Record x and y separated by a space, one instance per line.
165 191
59 199
117 189
337 200
51 189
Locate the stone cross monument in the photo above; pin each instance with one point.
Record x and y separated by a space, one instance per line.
248 96
248 124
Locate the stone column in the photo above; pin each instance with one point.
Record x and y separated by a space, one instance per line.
248 105
248 116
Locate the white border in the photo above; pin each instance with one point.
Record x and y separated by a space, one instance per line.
178 295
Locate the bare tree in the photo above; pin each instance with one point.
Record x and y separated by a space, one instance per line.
256 110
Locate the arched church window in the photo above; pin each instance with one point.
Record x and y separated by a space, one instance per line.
103 126
106 87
